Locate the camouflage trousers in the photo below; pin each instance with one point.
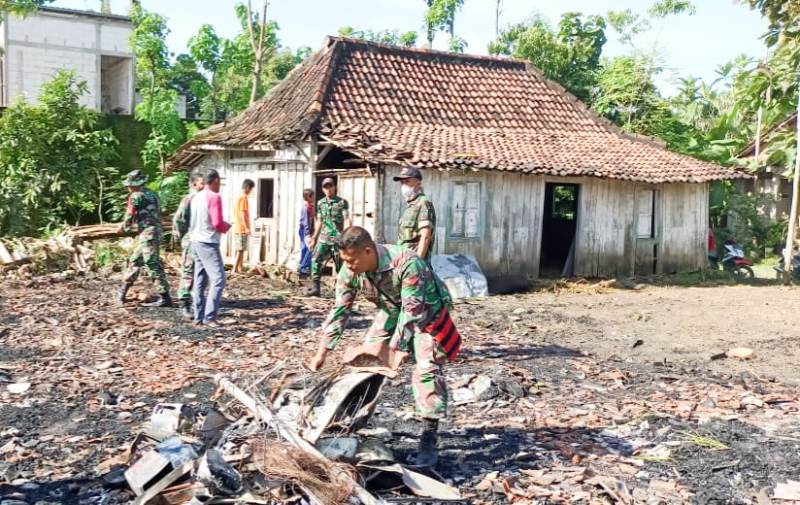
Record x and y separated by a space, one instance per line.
428 383
187 272
147 256
322 253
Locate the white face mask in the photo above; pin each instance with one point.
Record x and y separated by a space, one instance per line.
408 191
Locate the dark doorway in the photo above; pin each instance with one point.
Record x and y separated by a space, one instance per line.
558 229
266 198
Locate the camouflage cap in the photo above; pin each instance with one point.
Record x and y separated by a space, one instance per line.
409 172
135 178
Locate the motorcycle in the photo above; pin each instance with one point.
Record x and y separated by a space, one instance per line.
735 261
781 268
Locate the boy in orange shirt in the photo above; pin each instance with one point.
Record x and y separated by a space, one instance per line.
241 227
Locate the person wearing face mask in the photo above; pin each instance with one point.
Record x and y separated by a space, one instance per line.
418 221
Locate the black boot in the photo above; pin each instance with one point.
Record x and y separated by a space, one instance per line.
315 289
163 300
122 294
427 452
186 310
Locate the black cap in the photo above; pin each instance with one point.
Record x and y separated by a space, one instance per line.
328 181
409 172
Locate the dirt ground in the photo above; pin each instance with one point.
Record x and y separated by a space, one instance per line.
676 324
590 394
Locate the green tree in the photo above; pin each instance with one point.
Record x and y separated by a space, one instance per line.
20 7
148 42
457 44
263 41
206 49
441 16
626 91
663 8
570 56
233 71
54 161
392 37
783 16
190 82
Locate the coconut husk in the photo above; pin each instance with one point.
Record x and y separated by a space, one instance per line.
325 479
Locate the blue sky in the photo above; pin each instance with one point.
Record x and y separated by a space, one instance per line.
688 45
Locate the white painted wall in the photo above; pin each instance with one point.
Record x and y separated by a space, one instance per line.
31 67
40 45
277 238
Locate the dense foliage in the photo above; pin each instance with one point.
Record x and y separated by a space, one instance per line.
54 160
20 7
221 76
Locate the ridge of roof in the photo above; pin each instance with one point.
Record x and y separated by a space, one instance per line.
751 148
510 61
575 101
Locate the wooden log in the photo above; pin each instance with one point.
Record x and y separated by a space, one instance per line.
5 256
91 232
287 432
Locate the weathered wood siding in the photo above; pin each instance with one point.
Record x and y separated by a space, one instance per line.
604 236
509 218
607 241
274 240
359 191
684 224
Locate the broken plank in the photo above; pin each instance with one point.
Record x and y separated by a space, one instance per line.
286 432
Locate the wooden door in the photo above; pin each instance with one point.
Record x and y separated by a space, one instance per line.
359 191
646 231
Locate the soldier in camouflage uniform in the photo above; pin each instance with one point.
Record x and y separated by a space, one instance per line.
144 209
418 222
331 219
413 316
180 231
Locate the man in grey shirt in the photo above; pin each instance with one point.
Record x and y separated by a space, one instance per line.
205 231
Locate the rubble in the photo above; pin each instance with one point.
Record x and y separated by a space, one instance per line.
64 252
553 425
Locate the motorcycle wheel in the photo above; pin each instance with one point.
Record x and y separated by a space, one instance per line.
743 273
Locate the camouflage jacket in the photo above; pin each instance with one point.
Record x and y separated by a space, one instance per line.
181 220
332 213
144 210
403 286
418 214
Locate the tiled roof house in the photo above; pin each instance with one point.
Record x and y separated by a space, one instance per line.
524 177
770 180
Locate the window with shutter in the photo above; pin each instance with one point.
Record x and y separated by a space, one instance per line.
645 205
466 210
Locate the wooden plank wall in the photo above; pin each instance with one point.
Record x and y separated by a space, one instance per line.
684 223
607 224
291 174
359 191
511 217
605 228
